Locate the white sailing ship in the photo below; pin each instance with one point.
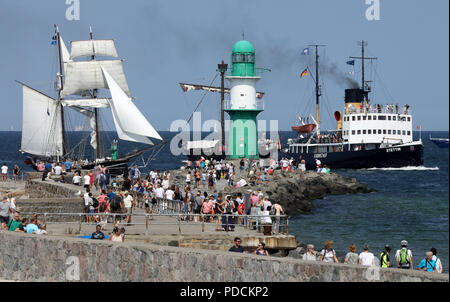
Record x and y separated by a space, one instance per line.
92 67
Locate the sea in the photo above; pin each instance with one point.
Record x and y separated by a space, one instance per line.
411 203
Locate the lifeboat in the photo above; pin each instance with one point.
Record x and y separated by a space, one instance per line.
304 128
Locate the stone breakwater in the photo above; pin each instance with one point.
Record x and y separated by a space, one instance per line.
27 257
294 191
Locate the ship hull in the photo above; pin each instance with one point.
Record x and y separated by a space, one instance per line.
393 157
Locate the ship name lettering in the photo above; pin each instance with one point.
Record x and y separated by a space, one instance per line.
393 149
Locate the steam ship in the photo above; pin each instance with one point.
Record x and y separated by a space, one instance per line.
367 135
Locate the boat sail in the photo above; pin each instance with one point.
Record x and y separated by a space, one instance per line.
79 84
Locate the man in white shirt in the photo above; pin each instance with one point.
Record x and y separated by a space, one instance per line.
87 201
87 180
128 205
57 170
4 172
366 258
76 180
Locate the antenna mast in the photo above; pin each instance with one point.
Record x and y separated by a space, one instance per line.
318 93
363 58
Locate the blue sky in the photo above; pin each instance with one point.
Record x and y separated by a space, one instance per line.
166 42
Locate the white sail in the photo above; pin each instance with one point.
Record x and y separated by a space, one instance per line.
91 103
128 136
81 76
127 117
41 124
64 53
93 48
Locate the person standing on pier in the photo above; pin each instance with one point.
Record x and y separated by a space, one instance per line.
366 258
4 172
352 257
128 203
403 257
328 254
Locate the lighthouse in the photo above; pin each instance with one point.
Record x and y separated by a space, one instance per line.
243 106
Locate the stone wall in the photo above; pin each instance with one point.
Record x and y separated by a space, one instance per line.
46 258
37 188
52 205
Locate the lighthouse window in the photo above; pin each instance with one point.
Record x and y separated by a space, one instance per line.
379 131
364 118
394 131
389 117
359 131
374 117
250 58
394 118
374 131
404 132
389 131
353 132
369 117
409 132
384 131
353 118
409 119
242 58
369 131
364 131
382 117
359 117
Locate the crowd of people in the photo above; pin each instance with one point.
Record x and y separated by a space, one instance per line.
403 258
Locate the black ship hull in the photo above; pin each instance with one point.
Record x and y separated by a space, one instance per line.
392 157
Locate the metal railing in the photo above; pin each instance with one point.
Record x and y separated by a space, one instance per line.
259 106
227 222
381 109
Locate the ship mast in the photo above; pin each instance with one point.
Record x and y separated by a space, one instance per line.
222 68
94 94
318 93
363 58
59 91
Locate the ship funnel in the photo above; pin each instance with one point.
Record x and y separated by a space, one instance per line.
354 99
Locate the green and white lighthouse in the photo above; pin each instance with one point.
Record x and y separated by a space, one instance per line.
243 106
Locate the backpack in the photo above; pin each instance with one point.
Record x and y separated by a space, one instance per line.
102 207
115 203
211 180
94 202
240 209
404 260
272 211
228 208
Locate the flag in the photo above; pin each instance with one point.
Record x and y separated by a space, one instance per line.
352 62
304 73
305 51
53 42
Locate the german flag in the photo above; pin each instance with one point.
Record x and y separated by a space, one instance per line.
304 73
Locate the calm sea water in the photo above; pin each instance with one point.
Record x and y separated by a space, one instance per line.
411 203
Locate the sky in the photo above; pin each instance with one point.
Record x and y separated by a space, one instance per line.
167 42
